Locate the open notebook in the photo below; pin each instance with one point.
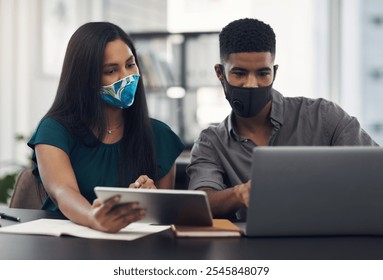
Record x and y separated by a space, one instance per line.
56 227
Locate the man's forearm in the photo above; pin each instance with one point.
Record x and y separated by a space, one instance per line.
223 203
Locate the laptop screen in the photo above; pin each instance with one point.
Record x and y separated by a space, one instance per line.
316 191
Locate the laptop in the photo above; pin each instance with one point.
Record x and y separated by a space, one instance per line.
165 207
305 191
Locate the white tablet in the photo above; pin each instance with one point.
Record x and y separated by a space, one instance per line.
180 207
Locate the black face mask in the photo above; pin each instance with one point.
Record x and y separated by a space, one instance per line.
246 102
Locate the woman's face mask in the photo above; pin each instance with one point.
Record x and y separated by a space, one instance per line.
121 93
246 102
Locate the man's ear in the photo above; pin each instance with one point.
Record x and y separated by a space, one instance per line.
218 72
276 66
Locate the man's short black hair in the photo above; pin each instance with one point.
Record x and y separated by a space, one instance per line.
246 35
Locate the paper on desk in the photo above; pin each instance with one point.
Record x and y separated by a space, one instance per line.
56 227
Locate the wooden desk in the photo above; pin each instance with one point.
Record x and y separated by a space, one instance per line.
164 246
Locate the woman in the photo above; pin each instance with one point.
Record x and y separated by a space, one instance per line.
98 132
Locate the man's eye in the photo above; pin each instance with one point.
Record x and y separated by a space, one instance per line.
264 74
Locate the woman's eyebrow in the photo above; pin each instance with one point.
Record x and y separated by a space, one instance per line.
110 64
116 64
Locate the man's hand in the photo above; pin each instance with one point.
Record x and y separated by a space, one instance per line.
242 193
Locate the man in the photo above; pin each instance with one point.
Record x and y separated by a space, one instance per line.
261 116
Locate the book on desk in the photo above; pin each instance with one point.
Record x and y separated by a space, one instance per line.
220 228
53 227
56 227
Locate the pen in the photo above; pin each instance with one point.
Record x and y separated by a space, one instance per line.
7 217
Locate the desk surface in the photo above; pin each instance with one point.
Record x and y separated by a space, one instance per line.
163 246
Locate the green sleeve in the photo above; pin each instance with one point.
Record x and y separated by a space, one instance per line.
52 133
167 146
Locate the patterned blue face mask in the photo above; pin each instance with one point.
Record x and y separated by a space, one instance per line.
121 93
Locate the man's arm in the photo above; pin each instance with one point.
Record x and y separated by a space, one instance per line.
207 172
350 133
228 201
343 129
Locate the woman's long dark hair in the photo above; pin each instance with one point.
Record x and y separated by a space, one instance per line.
79 107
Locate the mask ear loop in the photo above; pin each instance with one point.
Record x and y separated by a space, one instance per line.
235 102
275 68
222 69
224 80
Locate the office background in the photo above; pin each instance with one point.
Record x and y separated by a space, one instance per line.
325 48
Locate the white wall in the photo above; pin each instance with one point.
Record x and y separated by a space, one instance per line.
33 39
300 27
18 23
27 88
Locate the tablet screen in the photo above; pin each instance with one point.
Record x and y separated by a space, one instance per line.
165 207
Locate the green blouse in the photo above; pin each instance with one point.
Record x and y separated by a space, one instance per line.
98 165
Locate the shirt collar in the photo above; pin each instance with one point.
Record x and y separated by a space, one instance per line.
277 107
230 126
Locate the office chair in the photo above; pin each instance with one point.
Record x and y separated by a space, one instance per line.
28 192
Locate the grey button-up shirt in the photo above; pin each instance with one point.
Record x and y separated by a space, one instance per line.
221 158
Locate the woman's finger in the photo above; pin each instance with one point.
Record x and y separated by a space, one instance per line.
143 182
149 184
